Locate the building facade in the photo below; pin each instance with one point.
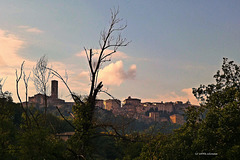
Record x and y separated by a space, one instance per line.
38 100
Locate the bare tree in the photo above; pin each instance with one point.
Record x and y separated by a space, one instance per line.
1 86
110 40
26 110
26 79
18 78
41 76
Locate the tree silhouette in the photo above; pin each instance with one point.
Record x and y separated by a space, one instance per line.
85 127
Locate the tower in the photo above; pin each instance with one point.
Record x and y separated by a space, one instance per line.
54 91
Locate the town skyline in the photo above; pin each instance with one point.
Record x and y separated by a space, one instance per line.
175 46
131 107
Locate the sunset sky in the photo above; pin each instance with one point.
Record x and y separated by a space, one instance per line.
175 45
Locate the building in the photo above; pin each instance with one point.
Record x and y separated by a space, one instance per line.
54 90
132 101
177 118
155 111
38 100
112 104
154 115
100 103
180 107
130 107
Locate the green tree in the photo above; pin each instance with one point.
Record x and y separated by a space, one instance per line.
212 128
219 131
38 143
7 127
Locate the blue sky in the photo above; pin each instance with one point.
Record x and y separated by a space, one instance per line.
175 45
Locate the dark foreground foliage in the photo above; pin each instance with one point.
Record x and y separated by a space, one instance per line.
20 140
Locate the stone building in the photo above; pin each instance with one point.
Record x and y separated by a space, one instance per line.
130 107
38 100
154 115
180 107
100 103
132 101
177 118
112 104
164 107
168 107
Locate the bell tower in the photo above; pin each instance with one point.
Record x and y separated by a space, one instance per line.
54 91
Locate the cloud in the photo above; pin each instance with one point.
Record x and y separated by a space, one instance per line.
9 45
114 73
117 55
31 29
10 60
83 74
172 96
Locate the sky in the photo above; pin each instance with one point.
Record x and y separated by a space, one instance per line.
175 45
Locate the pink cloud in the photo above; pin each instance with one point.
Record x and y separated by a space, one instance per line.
114 73
10 60
9 46
84 74
172 96
31 29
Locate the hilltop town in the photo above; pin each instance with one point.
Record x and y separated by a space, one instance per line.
146 111
172 112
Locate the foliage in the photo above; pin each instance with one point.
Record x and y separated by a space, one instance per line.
213 128
107 148
18 141
229 77
80 143
58 124
39 144
7 128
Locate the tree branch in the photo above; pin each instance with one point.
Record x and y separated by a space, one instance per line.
66 119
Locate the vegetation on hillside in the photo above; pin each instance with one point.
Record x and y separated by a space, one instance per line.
211 130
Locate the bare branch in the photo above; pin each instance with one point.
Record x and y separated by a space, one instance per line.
41 77
66 119
18 78
17 82
103 59
110 96
75 98
25 79
1 86
89 58
108 40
